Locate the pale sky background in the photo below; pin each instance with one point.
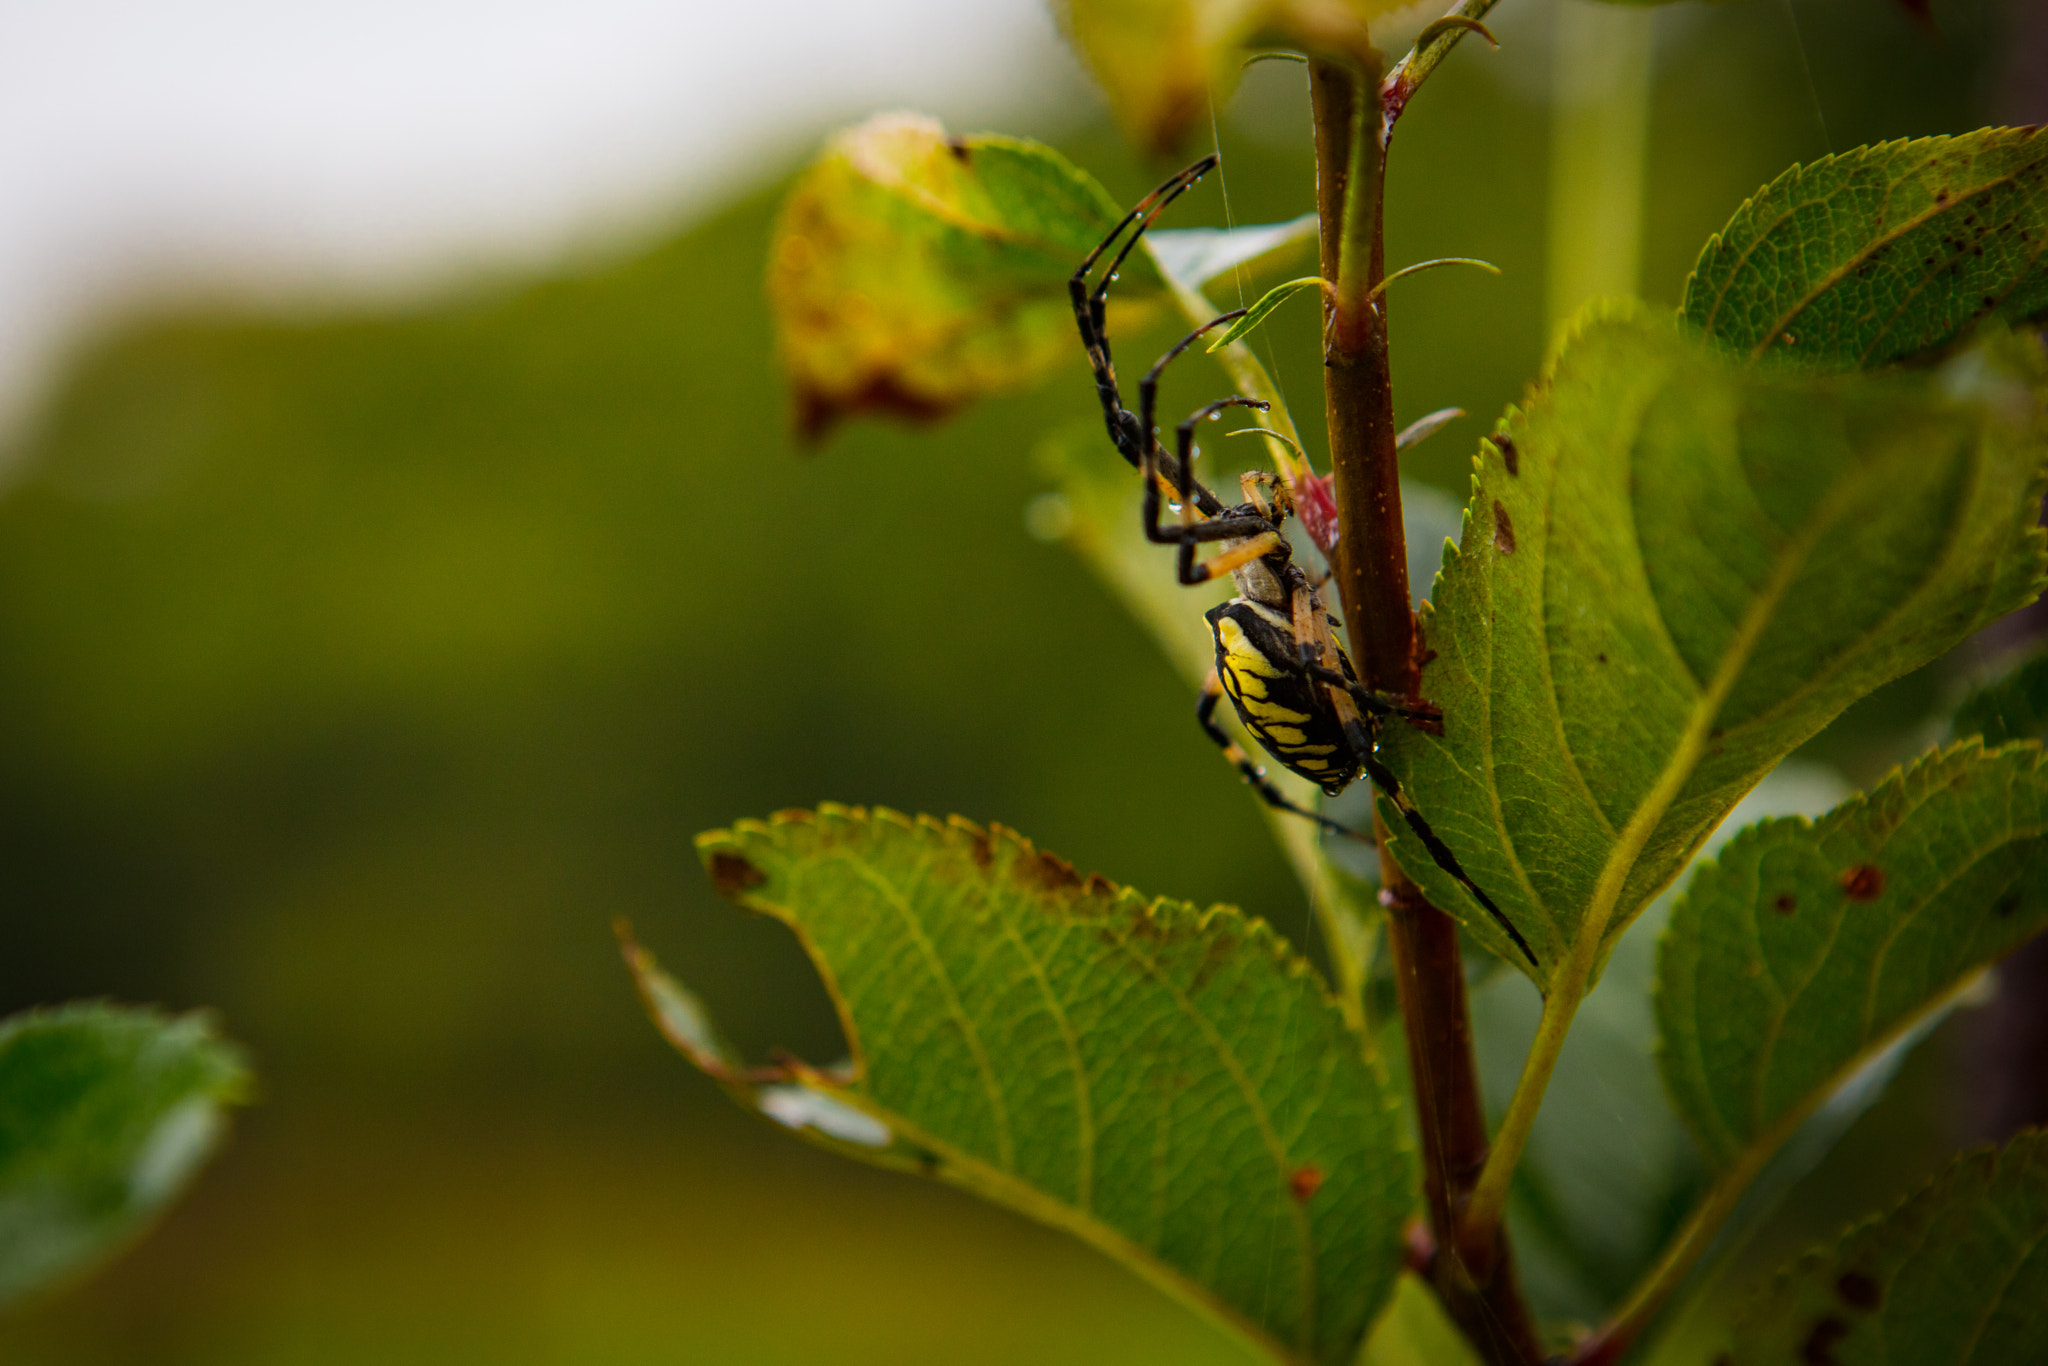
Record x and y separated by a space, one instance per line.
286 146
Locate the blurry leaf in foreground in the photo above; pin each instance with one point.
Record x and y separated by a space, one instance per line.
1729 557
2014 707
104 1114
911 272
1805 948
1956 1274
1173 1085
1165 64
1415 1331
1883 253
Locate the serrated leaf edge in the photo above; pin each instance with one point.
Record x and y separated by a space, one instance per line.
1786 180
957 834
1730 1150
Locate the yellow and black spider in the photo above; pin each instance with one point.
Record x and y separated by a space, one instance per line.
1277 658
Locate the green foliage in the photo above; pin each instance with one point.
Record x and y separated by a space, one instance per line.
1883 253
912 272
1626 641
1956 1274
1174 1085
2012 707
1696 542
105 1113
1805 948
1263 309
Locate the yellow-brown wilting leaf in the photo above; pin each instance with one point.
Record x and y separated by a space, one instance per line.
912 272
1163 62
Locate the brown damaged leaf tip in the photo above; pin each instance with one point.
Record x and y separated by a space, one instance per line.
1048 871
732 874
1503 531
818 413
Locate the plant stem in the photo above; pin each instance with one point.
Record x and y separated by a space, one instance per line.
1371 568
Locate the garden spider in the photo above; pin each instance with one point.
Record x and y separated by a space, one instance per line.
1274 644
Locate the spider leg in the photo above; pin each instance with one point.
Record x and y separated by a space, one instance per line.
1190 533
1371 701
1148 403
1090 309
1205 714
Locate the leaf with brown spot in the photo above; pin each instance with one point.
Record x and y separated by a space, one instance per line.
1958 1273
911 272
1149 1076
1503 530
732 874
1761 1014
1884 253
1710 561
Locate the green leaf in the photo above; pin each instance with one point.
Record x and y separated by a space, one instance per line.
1173 1085
911 272
2013 707
1263 309
1489 267
1629 638
1195 256
1806 947
1958 1273
104 1115
1884 253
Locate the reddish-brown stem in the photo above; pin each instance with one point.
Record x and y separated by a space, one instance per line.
1371 567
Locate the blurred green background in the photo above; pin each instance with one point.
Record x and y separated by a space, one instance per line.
356 670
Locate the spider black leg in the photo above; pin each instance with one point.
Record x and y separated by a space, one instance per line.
1190 534
1090 308
1368 700
1148 395
1205 713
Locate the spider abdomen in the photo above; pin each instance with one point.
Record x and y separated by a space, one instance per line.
1289 714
